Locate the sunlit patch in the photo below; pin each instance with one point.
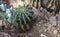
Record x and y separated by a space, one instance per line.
16 3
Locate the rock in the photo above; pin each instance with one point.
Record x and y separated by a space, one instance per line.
42 35
52 20
55 32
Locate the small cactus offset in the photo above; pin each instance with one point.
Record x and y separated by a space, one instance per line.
22 17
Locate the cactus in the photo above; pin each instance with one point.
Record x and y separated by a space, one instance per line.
22 17
35 3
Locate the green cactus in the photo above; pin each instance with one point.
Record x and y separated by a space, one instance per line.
22 17
35 3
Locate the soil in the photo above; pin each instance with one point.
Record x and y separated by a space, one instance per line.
43 27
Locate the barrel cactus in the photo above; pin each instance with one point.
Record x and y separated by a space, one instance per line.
35 3
22 18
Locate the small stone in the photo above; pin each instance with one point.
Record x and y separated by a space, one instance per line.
55 32
42 35
53 20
